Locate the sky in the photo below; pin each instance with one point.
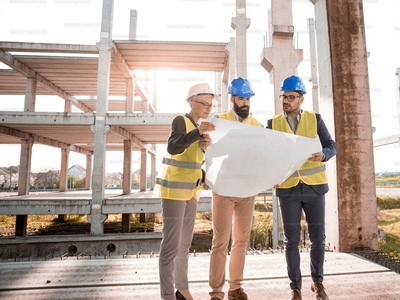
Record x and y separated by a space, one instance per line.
78 22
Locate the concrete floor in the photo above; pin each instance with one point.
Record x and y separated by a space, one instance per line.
347 276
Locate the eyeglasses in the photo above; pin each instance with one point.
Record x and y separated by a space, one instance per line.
205 105
290 97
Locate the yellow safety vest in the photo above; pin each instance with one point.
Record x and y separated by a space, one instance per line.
182 174
231 116
311 172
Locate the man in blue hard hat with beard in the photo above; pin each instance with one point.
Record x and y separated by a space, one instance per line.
232 213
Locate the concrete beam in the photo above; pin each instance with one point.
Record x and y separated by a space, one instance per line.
47 118
126 205
45 207
139 119
121 63
393 139
127 135
49 48
42 140
9 60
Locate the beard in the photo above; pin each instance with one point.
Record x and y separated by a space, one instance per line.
243 111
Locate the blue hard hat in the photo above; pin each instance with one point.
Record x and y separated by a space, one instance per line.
240 87
293 84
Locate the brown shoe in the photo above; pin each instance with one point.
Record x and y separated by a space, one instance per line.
295 295
238 294
319 290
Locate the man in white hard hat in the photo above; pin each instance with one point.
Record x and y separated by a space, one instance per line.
179 188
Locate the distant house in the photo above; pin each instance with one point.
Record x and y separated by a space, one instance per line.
78 171
6 173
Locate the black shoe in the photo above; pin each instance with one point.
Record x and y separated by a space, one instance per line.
179 296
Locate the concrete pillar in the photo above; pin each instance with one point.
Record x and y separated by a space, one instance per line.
23 183
240 24
225 102
21 225
153 170
67 106
130 92
96 217
281 59
133 24
145 101
127 171
25 160
30 94
277 226
88 181
326 109
143 167
314 65
64 176
349 87
64 169
143 177
154 95
126 182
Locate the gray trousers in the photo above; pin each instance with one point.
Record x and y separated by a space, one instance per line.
300 198
178 225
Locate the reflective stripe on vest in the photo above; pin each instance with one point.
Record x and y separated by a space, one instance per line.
311 171
181 176
176 184
181 164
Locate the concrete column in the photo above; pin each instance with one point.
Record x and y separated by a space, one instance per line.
130 92
225 103
23 183
143 166
153 170
67 106
143 177
96 217
88 181
281 59
127 172
145 101
326 109
126 182
21 224
30 94
133 24
347 65
314 65
240 23
64 169
25 160
154 86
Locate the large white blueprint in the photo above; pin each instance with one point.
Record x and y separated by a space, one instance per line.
244 160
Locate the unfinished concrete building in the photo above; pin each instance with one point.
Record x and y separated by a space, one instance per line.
107 70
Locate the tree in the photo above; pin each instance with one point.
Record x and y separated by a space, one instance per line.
48 179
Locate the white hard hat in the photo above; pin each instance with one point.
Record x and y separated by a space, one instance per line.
200 88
